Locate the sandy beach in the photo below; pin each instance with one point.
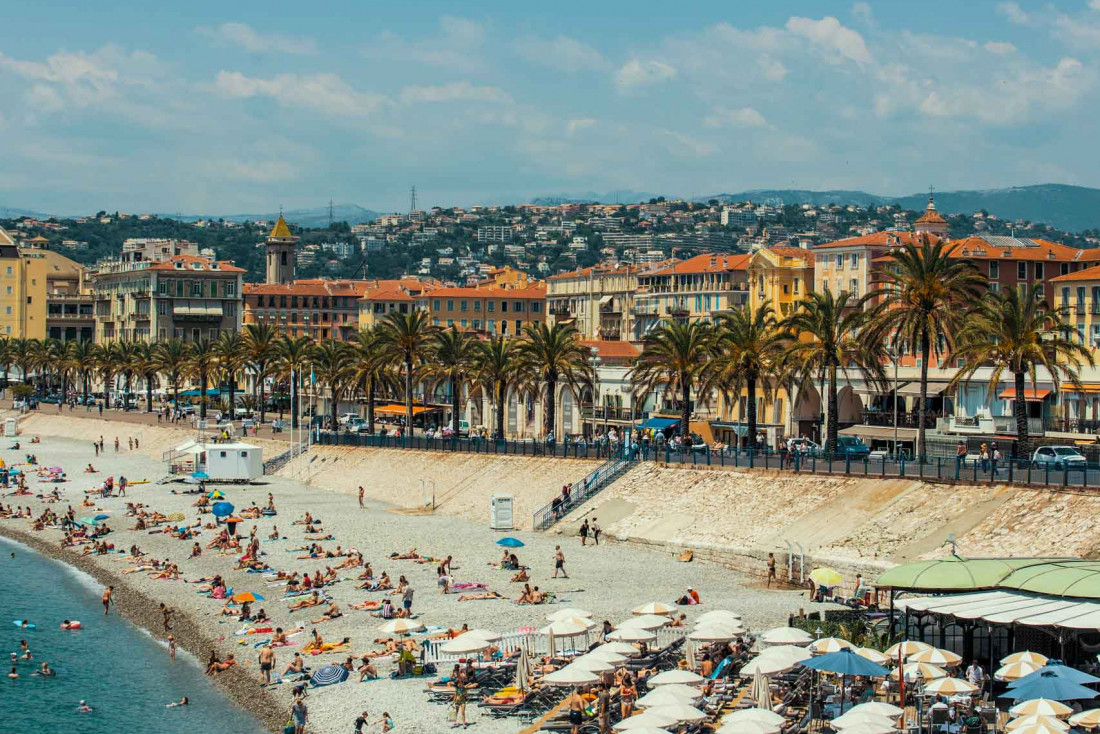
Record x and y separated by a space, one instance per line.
608 580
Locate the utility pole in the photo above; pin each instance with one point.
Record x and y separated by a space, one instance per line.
412 199
331 214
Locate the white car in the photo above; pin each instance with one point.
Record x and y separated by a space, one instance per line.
348 417
1059 457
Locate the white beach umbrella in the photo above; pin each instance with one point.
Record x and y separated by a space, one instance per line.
714 633
645 728
648 718
609 655
750 727
567 613
871 726
563 629
571 675
767 665
830 644
786 636
583 622
793 653
465 644
623 648
719 615
401 626
935 656
675 676
632 635
880 708
665 695
1025 656
915 671
1015 671
595 664
851 718
761 715
1039 728
682 711
1033 719
1042 707
646 622
907 647
484 634
654 607
870 653
1089 719
949 686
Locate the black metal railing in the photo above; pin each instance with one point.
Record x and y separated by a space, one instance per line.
584 488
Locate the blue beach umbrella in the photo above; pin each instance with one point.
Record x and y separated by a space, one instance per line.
510 542
222 509
1073 675
215 495
846 662
1049 684
329 675
199 475
99 517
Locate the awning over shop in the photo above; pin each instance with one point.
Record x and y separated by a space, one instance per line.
912 389
211 391
739 428
953 573
884 433
604 300
1031 396
401 410
660 424
1001 607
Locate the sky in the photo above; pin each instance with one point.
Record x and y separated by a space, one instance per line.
218 108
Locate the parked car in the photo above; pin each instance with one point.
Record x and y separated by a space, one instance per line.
347 418
1058 457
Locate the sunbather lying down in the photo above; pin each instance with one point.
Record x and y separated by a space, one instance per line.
411 555
367 605
483 595
313 600
341 646
395 645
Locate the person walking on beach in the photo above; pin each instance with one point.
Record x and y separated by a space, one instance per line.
300 713
559 562
771 570
116 444
459 700
361 490
595 531
171 647
95 445
107 599
584 532
167 614
267 663
407 601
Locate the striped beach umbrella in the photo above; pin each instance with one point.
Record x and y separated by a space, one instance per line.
329 675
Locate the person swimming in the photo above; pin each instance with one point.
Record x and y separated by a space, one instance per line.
83 707
182 702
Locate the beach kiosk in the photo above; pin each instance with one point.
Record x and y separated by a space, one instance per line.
234 462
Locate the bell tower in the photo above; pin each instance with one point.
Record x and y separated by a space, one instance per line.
280 246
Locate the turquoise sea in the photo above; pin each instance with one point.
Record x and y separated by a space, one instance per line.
122 672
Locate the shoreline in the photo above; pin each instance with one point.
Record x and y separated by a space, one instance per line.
138 608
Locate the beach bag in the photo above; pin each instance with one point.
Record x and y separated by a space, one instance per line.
289 727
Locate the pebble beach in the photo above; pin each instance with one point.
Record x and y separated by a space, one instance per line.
608 580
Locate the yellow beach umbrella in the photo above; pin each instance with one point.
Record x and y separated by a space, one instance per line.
825 576
870 653
1014 671
1086 719
1041 707
1039 728
913 671
1033 719
935 656
949 687
907 647
1033 658
830 644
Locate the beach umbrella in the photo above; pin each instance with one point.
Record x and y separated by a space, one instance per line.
102 516
1061 671
401 626
645 728
222 509
672 693
1041 707
571 675
199 475
215 494
247 596
935 656
1016 671
631 635
328 675
1086 719
1033 719
794 653
595 664
949 686
872 654
718 614
854 717
786 636
824 576
914 671
89 521
564 629
750 727
650 717
622 648
1025 656
523 667
234 519
762 716
464 645
830 644
646 622
609 655
768 664
510 543
487 635
654 607
683 712
174 517
1049 685
1039 728
871 726
567 613
881 708
584 622
714 633
907 648
846 663
675 676
761 691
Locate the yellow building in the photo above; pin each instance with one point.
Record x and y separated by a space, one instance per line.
22 291
698 288
781 276
493 310
383 297
598 300
505 277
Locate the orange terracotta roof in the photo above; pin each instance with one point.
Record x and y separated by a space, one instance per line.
595 270
535 291
310 287
878 239
980 248
706 263
224 266
794 252
613 349
1092 273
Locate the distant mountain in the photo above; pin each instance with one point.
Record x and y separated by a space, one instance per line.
620 196
312 217
1069 208
7 212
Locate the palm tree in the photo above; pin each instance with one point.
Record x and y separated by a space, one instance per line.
294 356
23 354
452 359
496 370
332 361
827 337
924 297
7 356
230 350
747 349
84 359
404 338
553 354
260 344
145 365
675 357
202 361
372 370
107 359
172 358
1017 332
127 357
58 359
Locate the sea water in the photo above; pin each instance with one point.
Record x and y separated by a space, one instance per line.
119 669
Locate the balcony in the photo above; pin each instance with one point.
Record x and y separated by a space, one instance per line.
70 317
612 335
906 419
135 316
679 312
559 309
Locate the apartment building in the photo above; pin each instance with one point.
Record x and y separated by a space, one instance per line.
495 234
697 288
780 276
70 303
491 309
849 265
1009 262
22 291
598 300
383 297
314 308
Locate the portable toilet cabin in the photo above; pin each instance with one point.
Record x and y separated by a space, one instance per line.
501 512
234 462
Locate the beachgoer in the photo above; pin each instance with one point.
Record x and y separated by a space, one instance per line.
107 599
362 720
267 662
576 711
361 506
459 700
559 562
182 702
771 570
171 647
595 531
603 708
584 532
300 713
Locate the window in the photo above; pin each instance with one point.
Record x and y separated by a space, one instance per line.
491 306
994 270
1038 271
435 304
504 306
786 289
196 288
839 261
995 287
8 310
854 260
519 326
462 306
162 307
518 307
450 322
477 305
536 307
9 290
1021 271
9 270
231 288
477 324
450 305
463 322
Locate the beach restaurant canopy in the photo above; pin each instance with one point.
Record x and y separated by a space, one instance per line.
985 608
659 424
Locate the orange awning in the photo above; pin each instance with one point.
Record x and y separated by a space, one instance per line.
1031 396
400 410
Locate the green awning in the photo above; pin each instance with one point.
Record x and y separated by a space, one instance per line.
956 574
1076 578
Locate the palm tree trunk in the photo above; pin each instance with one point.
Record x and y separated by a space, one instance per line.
335 409
1023 443
455 387
202 394
834 413
922 407
409 392
750 384
263 396
176 390
107 389
502 393
87 386
232 397
148 393
370 407
685 408
551 403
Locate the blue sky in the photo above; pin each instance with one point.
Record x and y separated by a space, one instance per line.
207 107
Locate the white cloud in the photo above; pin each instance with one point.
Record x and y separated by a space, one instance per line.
457 46
562 53
640 73
1014 13
1001 48
251 40
743 117
577 124
326 93
1078 32
454 92
685 145
833 36
863 12
1094 4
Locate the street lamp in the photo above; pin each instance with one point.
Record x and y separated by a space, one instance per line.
594 361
